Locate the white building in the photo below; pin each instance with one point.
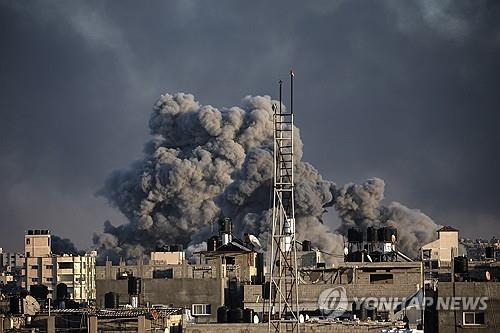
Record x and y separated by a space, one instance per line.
44 268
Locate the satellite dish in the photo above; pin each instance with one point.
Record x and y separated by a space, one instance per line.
254 241
487 275
30 306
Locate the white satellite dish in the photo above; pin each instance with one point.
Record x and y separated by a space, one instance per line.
30 306
254 241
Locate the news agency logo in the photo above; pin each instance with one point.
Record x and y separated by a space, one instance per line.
332 302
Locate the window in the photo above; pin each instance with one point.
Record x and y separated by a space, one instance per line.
49 266
474 318
49 279
34 267
381 279
64 265
34 279
201 309
28 241
27 254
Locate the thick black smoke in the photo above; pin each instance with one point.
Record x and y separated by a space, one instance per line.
203 162
62 246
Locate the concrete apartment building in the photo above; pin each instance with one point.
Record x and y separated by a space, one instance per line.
44 268
440 253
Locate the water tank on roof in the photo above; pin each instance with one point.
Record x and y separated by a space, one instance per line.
222 314
213 243
385 234
248 316
489 252
39 291
306 246
371 234
354 235
111 300
225 225
62 291
461 264
15 305
235 315
134 285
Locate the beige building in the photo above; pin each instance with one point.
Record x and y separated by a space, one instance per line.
441 252
167 258
44 268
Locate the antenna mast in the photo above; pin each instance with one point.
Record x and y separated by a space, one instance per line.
283 294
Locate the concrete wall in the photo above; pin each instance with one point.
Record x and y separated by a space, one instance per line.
406 281
178 292
452 321
262 328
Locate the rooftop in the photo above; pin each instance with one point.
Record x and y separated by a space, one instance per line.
447 228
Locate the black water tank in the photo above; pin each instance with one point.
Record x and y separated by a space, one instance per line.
15 305
259 262
266 289
39 291
134 285
489 252
212 243
62 291
354 235
461 264
225 225
235 315
306 246
382 234
248 316
385 234
222 314
371 234
111 300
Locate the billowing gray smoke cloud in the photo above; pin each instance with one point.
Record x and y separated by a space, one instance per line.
360 206
204 161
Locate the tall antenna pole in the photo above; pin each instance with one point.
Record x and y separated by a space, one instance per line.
283 294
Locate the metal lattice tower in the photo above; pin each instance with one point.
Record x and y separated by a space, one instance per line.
283 303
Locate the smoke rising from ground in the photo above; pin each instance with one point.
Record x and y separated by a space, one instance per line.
203 162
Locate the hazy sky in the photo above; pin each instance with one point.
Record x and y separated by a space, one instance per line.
403 90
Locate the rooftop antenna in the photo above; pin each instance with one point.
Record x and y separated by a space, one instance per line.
283 303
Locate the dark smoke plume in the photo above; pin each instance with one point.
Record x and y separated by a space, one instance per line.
203 162
62 246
